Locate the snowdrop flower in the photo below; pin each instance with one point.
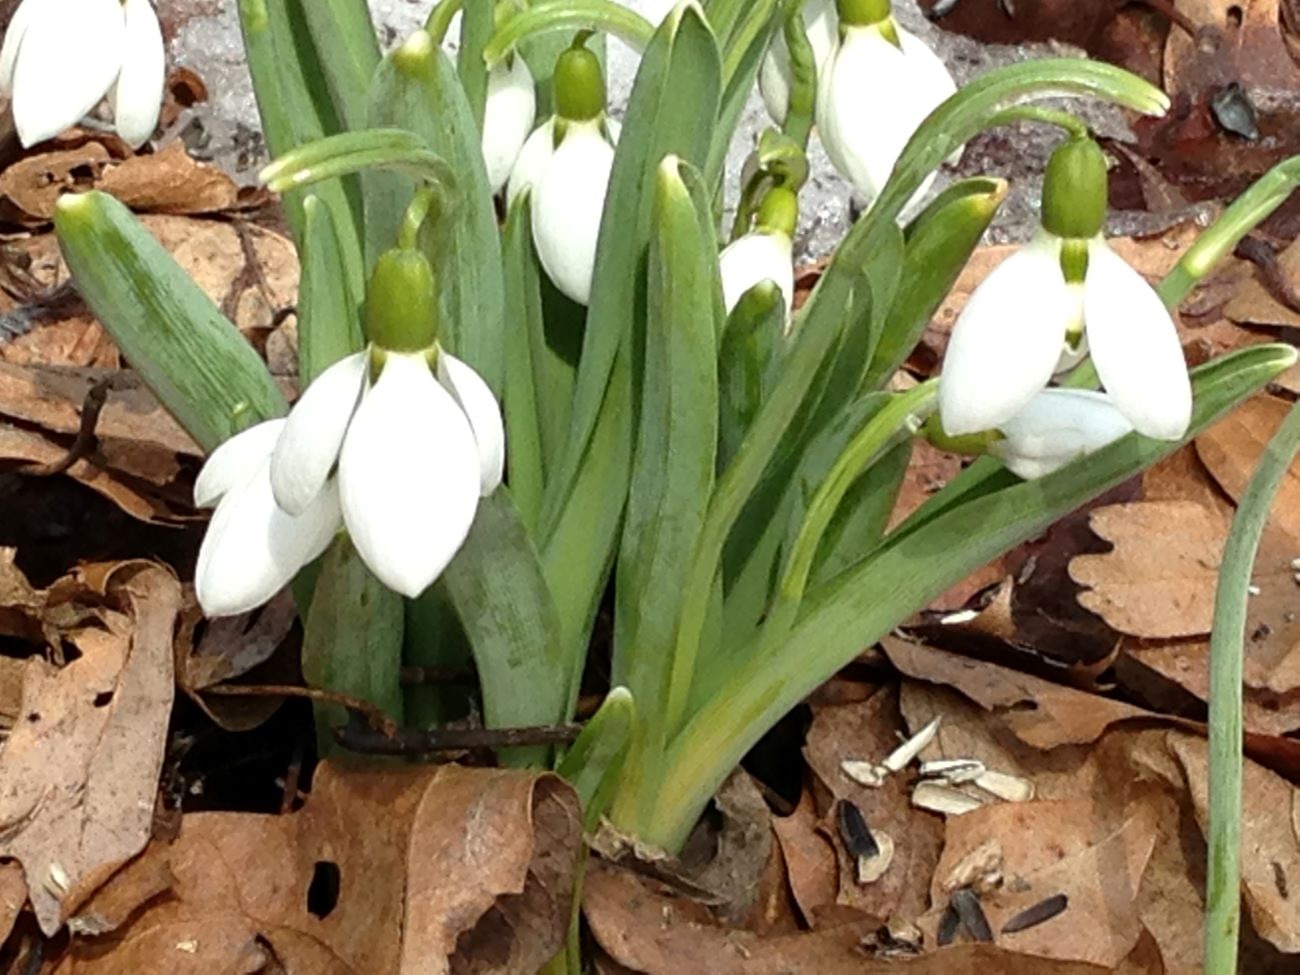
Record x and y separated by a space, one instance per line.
876 87
1063 294
61 57
764 253
397 442
566 164
821 26
507 118
253 548
1056 427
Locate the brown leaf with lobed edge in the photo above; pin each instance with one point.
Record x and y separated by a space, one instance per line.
398 869
1231 450
80 768
1255 304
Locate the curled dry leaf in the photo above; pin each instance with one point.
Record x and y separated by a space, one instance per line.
403 870
30 187
1255 304
81 765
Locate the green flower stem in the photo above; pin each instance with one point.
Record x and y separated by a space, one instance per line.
902 417
1072 124
856 608
557 15
1247 212
1223 879
408 238
352 152
802 104
440 18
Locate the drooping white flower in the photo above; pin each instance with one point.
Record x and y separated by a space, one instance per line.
872 94
1010 338
61 57
253 548
508 117
1056 427
750 260
414 450
822 27
566 164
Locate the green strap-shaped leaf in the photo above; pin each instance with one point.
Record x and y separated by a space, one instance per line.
500 595
352 641
859 606
739 72
416 88
939 242
750 342
525 328
595 761
673 467
329 324
196 362
672 110
344 37
476 24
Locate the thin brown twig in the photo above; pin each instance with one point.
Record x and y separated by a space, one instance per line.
411 741
86 438
375 717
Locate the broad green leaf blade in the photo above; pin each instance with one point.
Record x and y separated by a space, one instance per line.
476 24
496 585
939 242
675 457
196 362
416 88
344 37
595 761
750 343
525 328
739 77
856 608
435 641
329 322
672 110
550 16
290 88
352 640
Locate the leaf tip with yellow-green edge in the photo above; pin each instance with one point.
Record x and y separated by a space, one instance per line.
412 56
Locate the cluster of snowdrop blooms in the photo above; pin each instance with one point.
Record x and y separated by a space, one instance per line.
62 57
397 443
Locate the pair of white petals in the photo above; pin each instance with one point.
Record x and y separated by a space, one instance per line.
750 260
1008 342
871 94
61 57
568 183
1056 427
402 463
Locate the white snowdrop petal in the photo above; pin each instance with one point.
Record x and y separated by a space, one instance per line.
138 94
822 27
310 444
253 549
1006 342
567 210
508 117
484 414
533 160
235 460
871 98
1056 427
18 25
753 259
408 476
930 75
1135 347
69 57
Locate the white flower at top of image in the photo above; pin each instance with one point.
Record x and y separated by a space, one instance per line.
508 117
566 166
1026 321
60 58
1056 427
396 444
876 88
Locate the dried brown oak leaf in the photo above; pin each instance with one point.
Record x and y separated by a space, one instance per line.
1231 450
393 870
80 768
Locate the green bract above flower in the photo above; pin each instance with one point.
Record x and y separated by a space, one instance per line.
61 57
507 118
1057 427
